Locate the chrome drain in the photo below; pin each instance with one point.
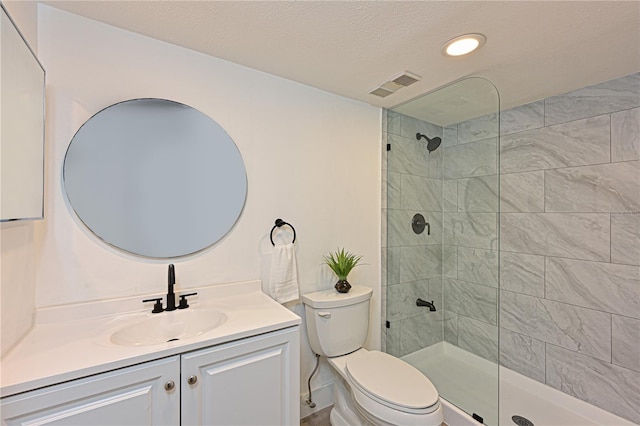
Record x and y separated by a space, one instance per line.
521 421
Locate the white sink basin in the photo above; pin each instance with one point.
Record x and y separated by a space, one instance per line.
168 326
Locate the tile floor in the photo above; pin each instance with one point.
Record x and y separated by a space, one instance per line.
319 418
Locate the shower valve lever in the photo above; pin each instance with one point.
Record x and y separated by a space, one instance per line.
418 223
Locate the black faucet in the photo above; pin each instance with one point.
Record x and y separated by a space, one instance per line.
421 302
171 297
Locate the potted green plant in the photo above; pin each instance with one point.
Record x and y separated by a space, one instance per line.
341 263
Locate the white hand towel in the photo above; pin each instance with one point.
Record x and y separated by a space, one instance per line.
283 278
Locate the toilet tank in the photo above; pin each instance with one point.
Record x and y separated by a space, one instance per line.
337 323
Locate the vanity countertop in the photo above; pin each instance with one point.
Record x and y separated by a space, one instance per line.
69 342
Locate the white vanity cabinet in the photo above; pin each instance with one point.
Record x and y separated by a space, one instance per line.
251 381
130 396
248 382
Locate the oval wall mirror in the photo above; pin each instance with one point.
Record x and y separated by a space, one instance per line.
155 178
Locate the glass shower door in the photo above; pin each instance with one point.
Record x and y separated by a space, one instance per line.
441 247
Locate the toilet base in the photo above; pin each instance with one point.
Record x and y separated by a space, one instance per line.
342 413
336 419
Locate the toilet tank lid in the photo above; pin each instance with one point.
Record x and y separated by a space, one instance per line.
332 299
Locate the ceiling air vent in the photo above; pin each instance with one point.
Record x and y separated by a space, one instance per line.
406 79
398 82
382 92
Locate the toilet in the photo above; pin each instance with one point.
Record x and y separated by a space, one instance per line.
374 387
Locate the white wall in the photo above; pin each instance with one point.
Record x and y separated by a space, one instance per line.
17 245
17 282
25 15
312 158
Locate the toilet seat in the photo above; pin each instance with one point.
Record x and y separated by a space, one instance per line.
380 415
391 382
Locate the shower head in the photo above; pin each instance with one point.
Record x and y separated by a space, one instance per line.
432 144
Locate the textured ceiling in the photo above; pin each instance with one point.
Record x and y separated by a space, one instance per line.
533 50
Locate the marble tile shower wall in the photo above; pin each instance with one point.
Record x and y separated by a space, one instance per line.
412 262
570 243
569 229
456 189
470 240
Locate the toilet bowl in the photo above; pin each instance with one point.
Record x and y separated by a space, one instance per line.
374 387
386 390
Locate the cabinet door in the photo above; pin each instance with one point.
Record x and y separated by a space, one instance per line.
129 396
254 381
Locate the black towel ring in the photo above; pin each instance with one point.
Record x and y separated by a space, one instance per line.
279 223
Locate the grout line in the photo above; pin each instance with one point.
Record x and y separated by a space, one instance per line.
544 274
559 212
564 258
568 304
611 337
610 137
545 362
544 191
559 168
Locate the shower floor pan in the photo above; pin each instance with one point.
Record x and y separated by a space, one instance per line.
470 382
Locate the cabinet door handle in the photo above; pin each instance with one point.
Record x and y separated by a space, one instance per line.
169 385
192 380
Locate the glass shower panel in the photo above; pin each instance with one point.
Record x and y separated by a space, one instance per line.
441 250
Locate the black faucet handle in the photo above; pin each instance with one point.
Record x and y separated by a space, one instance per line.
157 307
183 300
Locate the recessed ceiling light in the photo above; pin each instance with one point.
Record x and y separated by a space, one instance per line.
463 44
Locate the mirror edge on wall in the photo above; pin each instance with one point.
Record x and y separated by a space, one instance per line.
37 212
